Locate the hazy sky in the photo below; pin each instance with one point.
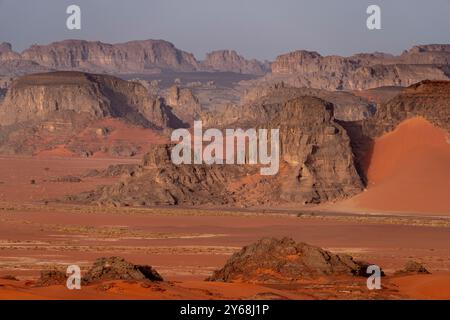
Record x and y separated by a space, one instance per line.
255 28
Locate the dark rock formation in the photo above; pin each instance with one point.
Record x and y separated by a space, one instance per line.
103 269
159 182
51 278
284 260
116 268
230 61
79 111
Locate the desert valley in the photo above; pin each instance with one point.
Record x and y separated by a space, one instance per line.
86 176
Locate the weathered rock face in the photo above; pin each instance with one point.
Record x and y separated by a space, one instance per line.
316 166
159 182
363 71
230 61
35 97
284 260
131 57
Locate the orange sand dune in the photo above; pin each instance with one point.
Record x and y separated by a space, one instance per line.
408 171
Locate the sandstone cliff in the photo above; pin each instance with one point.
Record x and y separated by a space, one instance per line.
37 96
284 260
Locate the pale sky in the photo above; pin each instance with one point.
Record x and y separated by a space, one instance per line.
259 29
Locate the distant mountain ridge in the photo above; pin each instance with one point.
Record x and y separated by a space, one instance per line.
362 71
299 68
144 56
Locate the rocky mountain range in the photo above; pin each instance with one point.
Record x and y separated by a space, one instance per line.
299 68
134 57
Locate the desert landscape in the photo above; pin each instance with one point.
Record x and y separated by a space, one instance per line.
87 176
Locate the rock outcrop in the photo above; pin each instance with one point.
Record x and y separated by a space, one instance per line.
116 268
362 71
284 260
413 267
230 61
347 106
159 182
183 104
316 166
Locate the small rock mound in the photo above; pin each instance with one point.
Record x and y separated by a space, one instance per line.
413 267
274 260
116 268
103 269
51 278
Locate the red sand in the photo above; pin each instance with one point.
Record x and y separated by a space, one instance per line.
435 286
408 171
